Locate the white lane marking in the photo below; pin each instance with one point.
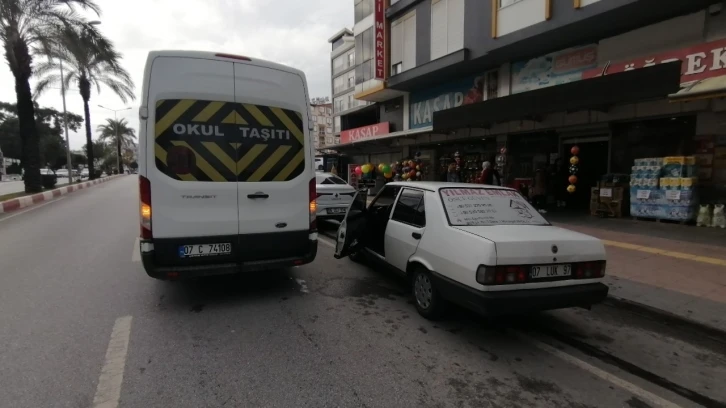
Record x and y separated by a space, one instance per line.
648 396
108 391
136 251
326 241
303 285
15 214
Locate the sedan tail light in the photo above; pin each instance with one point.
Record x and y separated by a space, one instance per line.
590 270
514 274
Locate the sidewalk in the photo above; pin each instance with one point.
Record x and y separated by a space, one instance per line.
677 269
16 204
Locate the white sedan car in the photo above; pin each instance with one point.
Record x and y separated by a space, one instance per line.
482 247
334 195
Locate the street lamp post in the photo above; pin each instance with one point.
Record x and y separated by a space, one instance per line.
118 139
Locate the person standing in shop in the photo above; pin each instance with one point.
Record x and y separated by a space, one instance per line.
538 191
452 176
489 175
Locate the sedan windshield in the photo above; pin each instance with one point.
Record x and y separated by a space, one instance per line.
488 206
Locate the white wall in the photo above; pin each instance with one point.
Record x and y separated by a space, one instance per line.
520 15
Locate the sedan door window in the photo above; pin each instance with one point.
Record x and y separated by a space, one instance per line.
410 208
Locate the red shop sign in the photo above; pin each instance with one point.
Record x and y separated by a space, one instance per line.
364 133
379 21
699 62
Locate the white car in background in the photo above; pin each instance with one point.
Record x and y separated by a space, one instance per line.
85 173
334 195
482 247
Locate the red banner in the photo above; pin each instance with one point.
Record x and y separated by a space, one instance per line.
379 22
352 176
363 133
699 62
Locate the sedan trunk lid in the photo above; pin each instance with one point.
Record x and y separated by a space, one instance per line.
540 244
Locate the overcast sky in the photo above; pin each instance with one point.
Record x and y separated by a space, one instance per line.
292 32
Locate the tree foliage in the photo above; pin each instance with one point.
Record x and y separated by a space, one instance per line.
50 128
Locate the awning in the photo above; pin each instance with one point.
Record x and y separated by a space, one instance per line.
657 81
704 89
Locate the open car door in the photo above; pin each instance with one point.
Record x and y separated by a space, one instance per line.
349 238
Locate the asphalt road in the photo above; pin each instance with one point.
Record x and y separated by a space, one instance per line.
82 325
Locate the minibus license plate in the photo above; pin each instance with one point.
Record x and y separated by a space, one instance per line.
197 250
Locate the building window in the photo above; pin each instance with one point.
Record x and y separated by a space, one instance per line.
505 3
329 130
397 68
364 56
363 8
403 43
492 85
337 43
339 84
328 111
447 27
351 58
351 79
336 124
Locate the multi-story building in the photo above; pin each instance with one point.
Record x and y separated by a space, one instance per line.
321 111
621 79
343 78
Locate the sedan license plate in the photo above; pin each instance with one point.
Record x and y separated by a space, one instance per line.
550 271
336 210
197 250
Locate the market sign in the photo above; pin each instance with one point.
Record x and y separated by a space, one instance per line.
553 69
424 103
699 62
364 133
379 21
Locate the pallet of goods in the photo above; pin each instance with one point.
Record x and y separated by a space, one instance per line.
664 189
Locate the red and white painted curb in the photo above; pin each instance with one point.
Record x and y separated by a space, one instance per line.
27 201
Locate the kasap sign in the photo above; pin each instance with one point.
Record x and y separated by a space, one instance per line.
553 69
365 132
423 104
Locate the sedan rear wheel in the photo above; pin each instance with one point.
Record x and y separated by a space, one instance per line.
427 298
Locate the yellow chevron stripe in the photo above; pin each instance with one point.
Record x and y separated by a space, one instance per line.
208 111
235 145
160 153
173 115
285 172
221 155
289 125
249 157
299 115
259 116
187 177
234 119
158 103
267 165
202 164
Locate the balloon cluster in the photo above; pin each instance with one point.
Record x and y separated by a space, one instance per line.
408 170
574 160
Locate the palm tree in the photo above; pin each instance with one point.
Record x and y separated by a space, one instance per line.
28 28
119 134
91 61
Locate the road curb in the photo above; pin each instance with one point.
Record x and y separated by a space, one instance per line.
666 317
28 201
